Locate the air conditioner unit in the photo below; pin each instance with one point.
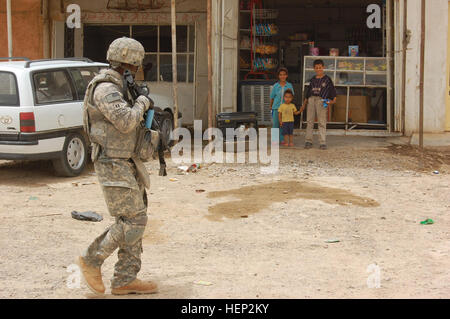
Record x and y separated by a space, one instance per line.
256 98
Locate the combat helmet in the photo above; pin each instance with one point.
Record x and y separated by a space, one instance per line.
126 50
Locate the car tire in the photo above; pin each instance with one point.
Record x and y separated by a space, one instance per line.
73 158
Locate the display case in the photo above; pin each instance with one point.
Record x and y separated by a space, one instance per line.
348 73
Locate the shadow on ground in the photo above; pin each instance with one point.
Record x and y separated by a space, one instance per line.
33 173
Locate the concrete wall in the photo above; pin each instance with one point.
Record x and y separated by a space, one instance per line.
435 67
27 29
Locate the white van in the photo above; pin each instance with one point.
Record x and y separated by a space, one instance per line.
41 111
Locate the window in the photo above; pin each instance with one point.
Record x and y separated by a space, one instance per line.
52 87
157 41
8 90
82 77
158 63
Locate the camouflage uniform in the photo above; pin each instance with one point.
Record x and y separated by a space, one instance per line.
112 124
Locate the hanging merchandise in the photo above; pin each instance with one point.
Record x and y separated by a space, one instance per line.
265 64
266 49
266 29
262 31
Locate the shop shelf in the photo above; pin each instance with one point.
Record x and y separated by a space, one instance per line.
376 79
349 78
266 13
376 65
326 70
350 64
330 62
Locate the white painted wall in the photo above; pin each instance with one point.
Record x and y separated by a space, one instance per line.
225 24
435 67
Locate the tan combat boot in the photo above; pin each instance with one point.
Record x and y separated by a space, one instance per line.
92 277
136 287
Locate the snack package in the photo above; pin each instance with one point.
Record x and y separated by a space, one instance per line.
353 50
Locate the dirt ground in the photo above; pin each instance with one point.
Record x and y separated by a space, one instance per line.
316 229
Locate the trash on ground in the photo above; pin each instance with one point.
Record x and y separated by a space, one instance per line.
87 216
183 168
33 198
203 283
200 191
332 241
60 185
173 180
194 168
436 172
427 222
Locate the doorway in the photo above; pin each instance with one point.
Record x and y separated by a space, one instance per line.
293 33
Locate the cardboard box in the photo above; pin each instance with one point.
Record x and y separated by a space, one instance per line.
359 110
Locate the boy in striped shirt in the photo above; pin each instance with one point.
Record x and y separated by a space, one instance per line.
321 88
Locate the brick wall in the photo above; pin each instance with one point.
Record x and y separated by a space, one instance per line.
27 29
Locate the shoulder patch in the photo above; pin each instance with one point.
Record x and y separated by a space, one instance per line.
113 97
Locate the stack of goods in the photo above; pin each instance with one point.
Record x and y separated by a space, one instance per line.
351 66
373 66
245 43
334 52
243 63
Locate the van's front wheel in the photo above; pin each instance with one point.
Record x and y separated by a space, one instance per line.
73 158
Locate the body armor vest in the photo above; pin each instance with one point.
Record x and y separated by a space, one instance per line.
100 130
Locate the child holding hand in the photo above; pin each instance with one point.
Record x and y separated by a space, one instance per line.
286 114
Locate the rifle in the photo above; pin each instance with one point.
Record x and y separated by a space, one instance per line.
151 122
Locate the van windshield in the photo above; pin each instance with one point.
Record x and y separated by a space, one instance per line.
8 89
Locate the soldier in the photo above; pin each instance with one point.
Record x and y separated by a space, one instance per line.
112 126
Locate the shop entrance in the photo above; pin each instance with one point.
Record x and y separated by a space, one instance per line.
294 33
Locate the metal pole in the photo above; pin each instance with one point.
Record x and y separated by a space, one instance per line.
174 62
389 60
210 71
405 45
9 26
47 30
422 76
